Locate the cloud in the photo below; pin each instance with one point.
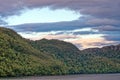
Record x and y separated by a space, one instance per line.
2 22
99 8
88 41
103 21
102 12
111 33
82 41
107 28
102 16
113 37
42 27
69 33
75 32
10 7
96 12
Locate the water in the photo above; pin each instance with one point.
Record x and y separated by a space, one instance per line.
71 77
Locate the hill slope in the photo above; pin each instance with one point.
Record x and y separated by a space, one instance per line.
94 60
19 56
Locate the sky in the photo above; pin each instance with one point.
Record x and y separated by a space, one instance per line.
85 23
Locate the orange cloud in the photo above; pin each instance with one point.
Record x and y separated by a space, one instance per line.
52 36
89 41
81 41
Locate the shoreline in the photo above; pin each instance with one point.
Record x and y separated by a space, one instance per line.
20 77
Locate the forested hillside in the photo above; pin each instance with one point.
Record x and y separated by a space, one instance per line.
94 60
22 57
18 58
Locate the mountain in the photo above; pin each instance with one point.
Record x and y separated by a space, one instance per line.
22 57
93 60
18 57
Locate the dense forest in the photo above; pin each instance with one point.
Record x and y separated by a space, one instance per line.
23 57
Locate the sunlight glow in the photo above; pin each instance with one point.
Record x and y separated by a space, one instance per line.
82 41
42 15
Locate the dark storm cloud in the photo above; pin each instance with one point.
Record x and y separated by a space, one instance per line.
109 28
101 15
113 37
98 8
111 33
103 21
42 27
102 12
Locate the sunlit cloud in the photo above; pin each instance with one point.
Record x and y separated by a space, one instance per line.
85 23
82 41
40 35
89 41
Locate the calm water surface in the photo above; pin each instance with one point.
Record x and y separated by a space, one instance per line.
71 77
